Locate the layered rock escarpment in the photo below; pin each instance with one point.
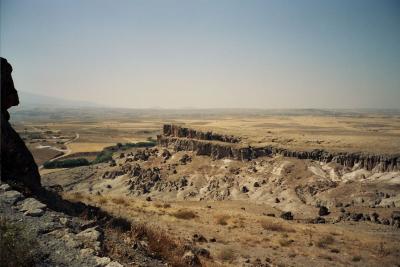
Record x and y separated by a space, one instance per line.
222 146
178 131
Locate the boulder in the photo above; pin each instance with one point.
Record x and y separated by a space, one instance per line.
287 215
114 264
91 234
34 212
31 204
374 217
190 259
319 220
4 187
356 217
323 211
199 238
201 252
11 197
102 261
385 221
86 252
395 215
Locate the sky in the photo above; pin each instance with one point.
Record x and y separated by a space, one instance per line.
206 53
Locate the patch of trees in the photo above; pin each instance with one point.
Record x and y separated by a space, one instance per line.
68 163
103 156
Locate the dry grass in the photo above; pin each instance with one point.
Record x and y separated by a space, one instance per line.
162 205
285 242
184 214
325 241
227 254
277 227
102 200
222 219
120 201
325 257
77 196
160 243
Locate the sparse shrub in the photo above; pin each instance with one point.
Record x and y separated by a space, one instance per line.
68 163
162 205
285 242
356 258
119 223
222 219
16 245
335 250
77 196
227 254
326 257
184 214
102 200
160 243
277 227
120 201
157 204
324 241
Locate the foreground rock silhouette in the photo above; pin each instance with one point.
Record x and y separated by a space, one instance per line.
17 163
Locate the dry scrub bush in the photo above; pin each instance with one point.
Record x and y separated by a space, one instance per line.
285 242
222 219
162 205
16 245
120 201
277 227
184 214
102 200
325 257
77 196
325 241
160 243
227 254
157 205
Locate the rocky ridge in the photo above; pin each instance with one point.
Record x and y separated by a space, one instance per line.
221 146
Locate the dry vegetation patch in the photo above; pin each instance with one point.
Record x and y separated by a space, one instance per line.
161 243
184 214
325 241
222 219
227 254
16 244
277 227
120 201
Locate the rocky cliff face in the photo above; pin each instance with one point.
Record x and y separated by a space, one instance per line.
177 131
221 146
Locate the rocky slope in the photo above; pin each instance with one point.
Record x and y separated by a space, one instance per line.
221 146
59 239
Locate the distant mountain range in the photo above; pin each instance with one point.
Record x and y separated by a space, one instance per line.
31 100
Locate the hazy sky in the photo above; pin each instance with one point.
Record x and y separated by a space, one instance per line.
207 53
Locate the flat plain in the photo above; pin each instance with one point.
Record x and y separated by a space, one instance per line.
232 208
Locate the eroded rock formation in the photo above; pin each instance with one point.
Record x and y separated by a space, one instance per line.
222 146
